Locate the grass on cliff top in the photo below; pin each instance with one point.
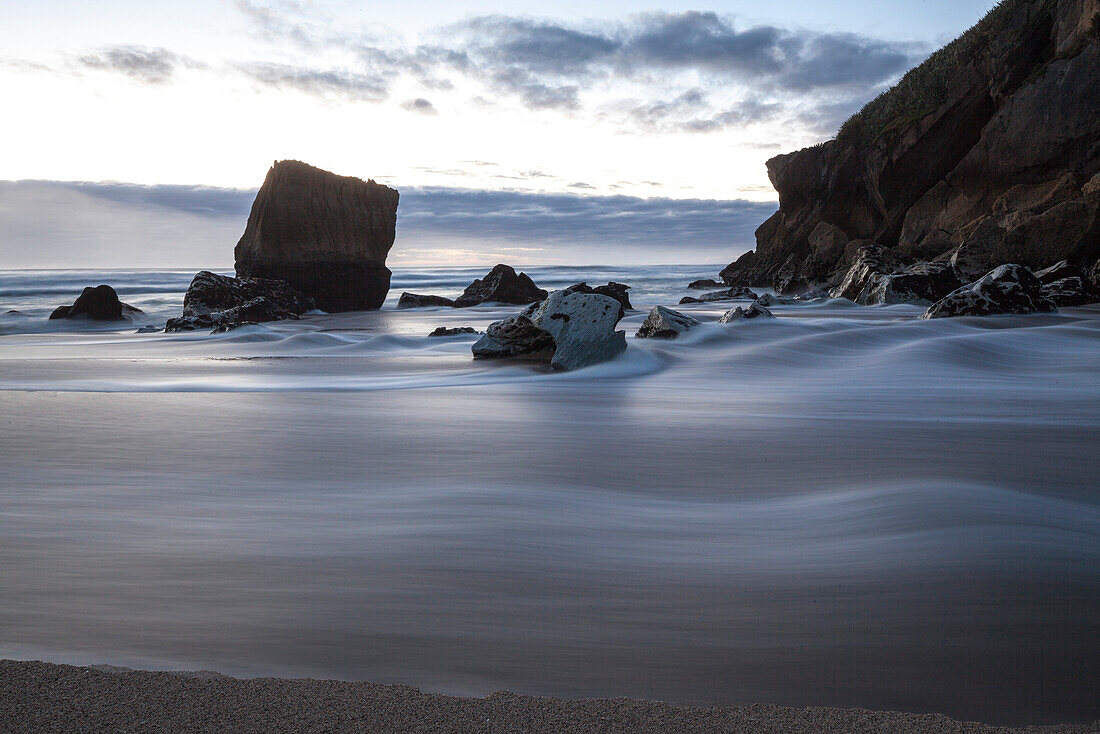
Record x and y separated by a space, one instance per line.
924 87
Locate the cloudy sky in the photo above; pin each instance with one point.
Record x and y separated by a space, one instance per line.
559 131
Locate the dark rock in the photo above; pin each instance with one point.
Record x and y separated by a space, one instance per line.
149 329
453 331
501 285
984 154
754 311
1072 291
1058 271
258 310
705 283
730 294
923 282
664 323
325 235
618 291
570 330
871 263
96 304
210 293
415 300
1006 289
515 337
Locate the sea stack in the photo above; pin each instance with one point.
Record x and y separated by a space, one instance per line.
325 235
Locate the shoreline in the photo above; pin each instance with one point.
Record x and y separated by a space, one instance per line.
37 696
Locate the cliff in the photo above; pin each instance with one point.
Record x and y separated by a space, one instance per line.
325 235
987 152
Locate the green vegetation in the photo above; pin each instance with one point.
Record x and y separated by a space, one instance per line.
924 88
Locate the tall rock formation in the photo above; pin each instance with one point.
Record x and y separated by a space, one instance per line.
326 235
986 153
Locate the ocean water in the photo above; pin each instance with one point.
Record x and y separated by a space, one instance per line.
844 506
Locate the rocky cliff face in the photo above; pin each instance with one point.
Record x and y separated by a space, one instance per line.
326 235
987 153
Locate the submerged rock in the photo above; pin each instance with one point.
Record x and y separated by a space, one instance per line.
210 293
453 331
255 311
664 323
923 282
96 304
754 311
1006 289
705 283
326 235
415 300
569 329
501 285
729 294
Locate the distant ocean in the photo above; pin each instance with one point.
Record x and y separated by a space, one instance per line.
844 506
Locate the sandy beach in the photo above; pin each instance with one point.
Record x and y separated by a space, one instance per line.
42 697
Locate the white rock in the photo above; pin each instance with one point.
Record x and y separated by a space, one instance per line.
582 326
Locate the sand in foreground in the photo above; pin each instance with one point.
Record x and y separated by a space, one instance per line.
43 697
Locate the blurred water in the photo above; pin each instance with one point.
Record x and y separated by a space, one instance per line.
844 506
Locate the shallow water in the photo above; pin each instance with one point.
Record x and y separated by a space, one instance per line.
845 506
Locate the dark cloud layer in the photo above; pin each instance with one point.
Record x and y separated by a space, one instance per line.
61 220
146 65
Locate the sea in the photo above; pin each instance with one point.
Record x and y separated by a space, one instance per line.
842 506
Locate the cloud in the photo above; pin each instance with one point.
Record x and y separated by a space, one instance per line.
319 82
420 105
146 65
77 224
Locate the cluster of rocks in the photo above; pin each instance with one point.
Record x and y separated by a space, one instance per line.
568 330
99 303
931 200
665 323
502 284
221 303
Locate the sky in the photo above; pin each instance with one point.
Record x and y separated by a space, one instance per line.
572 131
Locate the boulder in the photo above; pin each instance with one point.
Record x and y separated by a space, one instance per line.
255 311
516 337
923 282
415 300
1058 271
1072 291
730 294
569 329
210 293
664 323
326 235
705 283
453 331
501 285
618 291
871 263
1004 290
754 311
96 304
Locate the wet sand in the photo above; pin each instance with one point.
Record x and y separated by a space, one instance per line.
42 697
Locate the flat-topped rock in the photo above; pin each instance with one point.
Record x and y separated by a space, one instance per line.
416 300
729 294
453 331
501 285
326 235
